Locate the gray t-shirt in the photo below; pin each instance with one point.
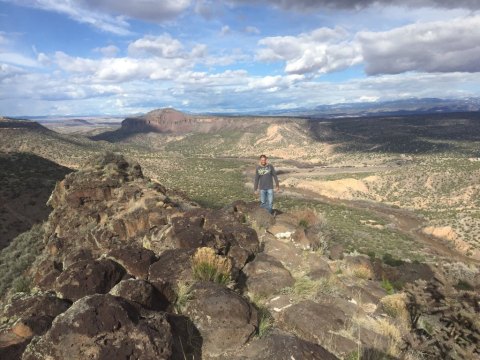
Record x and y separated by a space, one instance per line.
264 176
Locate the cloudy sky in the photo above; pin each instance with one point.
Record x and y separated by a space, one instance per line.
91 57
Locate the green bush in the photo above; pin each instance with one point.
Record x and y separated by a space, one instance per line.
17 257
21 284
387 286
265 321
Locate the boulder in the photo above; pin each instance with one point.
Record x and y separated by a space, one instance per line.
266 276
88 277
336 252
172 268
285 252
104 327
279 345
224 319
24 306
142 293
134 259
313 321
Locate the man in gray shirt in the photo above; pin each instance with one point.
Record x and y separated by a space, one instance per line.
264 176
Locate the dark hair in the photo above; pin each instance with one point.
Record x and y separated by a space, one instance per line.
263 156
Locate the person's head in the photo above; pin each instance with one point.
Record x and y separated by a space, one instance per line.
263 160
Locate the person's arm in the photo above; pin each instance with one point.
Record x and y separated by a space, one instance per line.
257 178
274 174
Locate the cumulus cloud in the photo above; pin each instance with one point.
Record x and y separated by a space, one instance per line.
322 50
122 69
305 5
162 46
110 15
442 46
437 46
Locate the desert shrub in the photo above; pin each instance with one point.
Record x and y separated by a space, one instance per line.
21 284
387 286
306 288
183 296
18 256
361 271
395 306
390 260
209 266
303 223
265 321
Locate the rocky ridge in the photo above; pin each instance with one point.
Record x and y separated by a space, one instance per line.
117 280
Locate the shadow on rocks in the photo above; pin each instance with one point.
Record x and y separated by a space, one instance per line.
187 341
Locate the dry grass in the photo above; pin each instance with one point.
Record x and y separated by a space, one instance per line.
308 289
361 271
183 296
209 266
395 306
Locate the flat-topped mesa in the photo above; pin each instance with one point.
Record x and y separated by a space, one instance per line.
161 120
174 121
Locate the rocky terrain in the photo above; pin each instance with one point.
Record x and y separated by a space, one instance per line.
132 270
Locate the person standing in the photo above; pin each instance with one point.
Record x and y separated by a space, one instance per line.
265 174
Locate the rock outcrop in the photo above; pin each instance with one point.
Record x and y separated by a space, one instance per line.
119 278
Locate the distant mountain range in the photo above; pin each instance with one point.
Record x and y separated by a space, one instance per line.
396 107
410 106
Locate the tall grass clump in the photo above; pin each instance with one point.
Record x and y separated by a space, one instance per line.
209 266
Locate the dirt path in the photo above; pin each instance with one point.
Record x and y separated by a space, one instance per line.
326 171
405 221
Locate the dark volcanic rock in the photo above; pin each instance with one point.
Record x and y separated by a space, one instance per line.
136 260
142 293
281 346
173 267
27 306
224 318
28 315
88 277
104 327
315 322
266 276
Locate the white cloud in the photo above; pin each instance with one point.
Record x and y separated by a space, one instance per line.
162 46
44 59
8 71
108 51
15 58
305 5
436 46
440 46
322 50
110 15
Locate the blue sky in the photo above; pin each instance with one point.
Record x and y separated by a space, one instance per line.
110 57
